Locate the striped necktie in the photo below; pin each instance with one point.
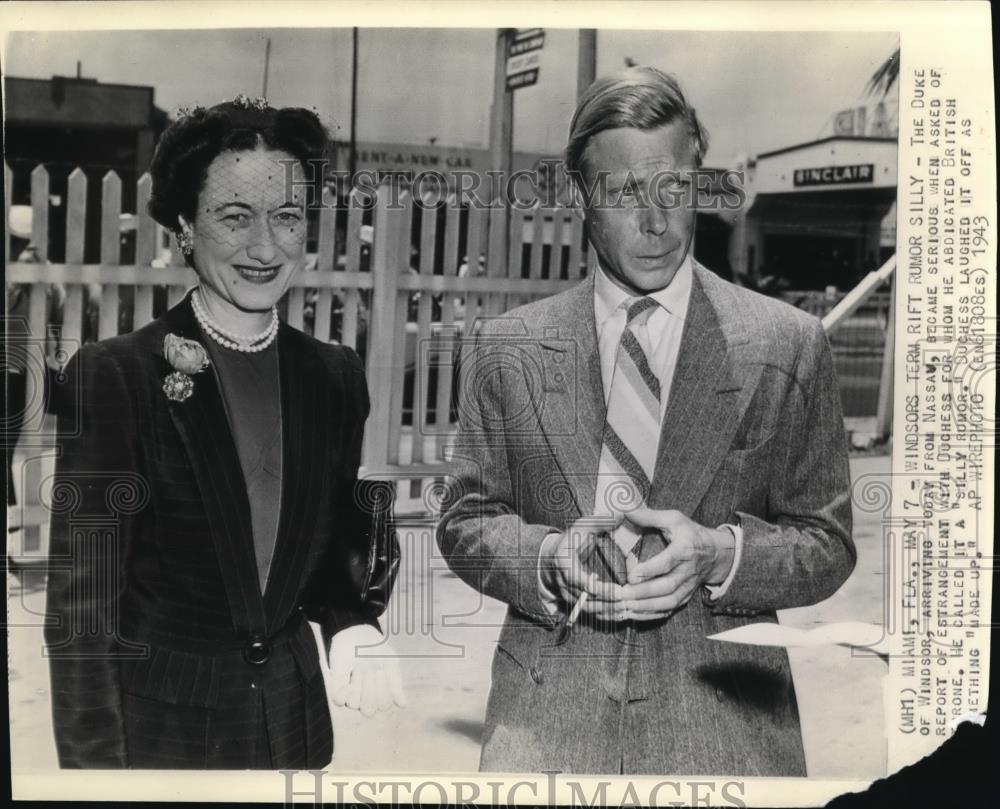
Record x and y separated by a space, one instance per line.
632 428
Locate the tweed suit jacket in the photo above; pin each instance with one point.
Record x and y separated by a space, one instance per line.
753 433
153 593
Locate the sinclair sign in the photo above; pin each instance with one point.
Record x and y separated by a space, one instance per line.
835 175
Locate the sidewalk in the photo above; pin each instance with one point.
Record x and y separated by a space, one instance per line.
446 634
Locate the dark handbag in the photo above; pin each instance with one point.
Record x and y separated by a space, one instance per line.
374 553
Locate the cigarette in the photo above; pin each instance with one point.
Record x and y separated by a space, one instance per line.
577 608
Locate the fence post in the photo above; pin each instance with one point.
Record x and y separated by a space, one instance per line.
71 335
145 251
38 305
111 208
381 328
326 261
496 249
399 265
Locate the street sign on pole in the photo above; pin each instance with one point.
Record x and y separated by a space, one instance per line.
519 64
532 43
524 57
525 79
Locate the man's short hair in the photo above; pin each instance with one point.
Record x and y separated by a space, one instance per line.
638 98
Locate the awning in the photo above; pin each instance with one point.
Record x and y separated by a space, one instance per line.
830 212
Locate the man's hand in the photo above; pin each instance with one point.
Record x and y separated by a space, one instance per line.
664 583
366 684
563 572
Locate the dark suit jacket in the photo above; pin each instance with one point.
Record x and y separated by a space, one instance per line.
753 433
153 595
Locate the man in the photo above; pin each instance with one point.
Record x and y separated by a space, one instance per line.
656 455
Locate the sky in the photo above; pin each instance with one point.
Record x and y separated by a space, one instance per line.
754 91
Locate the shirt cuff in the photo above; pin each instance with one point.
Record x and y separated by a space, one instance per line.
717 591
549 599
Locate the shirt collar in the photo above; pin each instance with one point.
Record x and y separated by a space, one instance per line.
608 296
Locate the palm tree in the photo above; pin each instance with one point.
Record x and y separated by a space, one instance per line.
885 77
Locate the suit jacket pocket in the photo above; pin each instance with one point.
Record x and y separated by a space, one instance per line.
748 457
516 677
174 677
521 646
741 484
751 435
504 653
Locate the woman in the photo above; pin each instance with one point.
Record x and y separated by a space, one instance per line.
206 502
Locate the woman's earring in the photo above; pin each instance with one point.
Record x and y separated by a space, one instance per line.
184 242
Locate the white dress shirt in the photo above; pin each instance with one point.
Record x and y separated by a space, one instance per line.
660 336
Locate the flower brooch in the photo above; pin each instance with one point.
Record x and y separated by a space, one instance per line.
186 357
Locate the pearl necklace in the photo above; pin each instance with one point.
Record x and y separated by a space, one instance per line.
248 344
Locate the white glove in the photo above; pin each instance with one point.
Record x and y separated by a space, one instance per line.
364 683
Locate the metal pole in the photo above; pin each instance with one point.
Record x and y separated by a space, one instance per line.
501 154
586 64
352 160
267 63
586 72
502 112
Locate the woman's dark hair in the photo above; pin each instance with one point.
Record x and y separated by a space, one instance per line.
189 145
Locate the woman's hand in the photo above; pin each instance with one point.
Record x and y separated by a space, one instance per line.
364 683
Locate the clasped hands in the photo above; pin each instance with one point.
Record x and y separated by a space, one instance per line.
654 588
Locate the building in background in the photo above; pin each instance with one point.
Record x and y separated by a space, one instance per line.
817 214
64 123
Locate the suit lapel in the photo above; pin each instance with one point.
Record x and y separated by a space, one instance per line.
705 402
307 412
572 408
203 427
